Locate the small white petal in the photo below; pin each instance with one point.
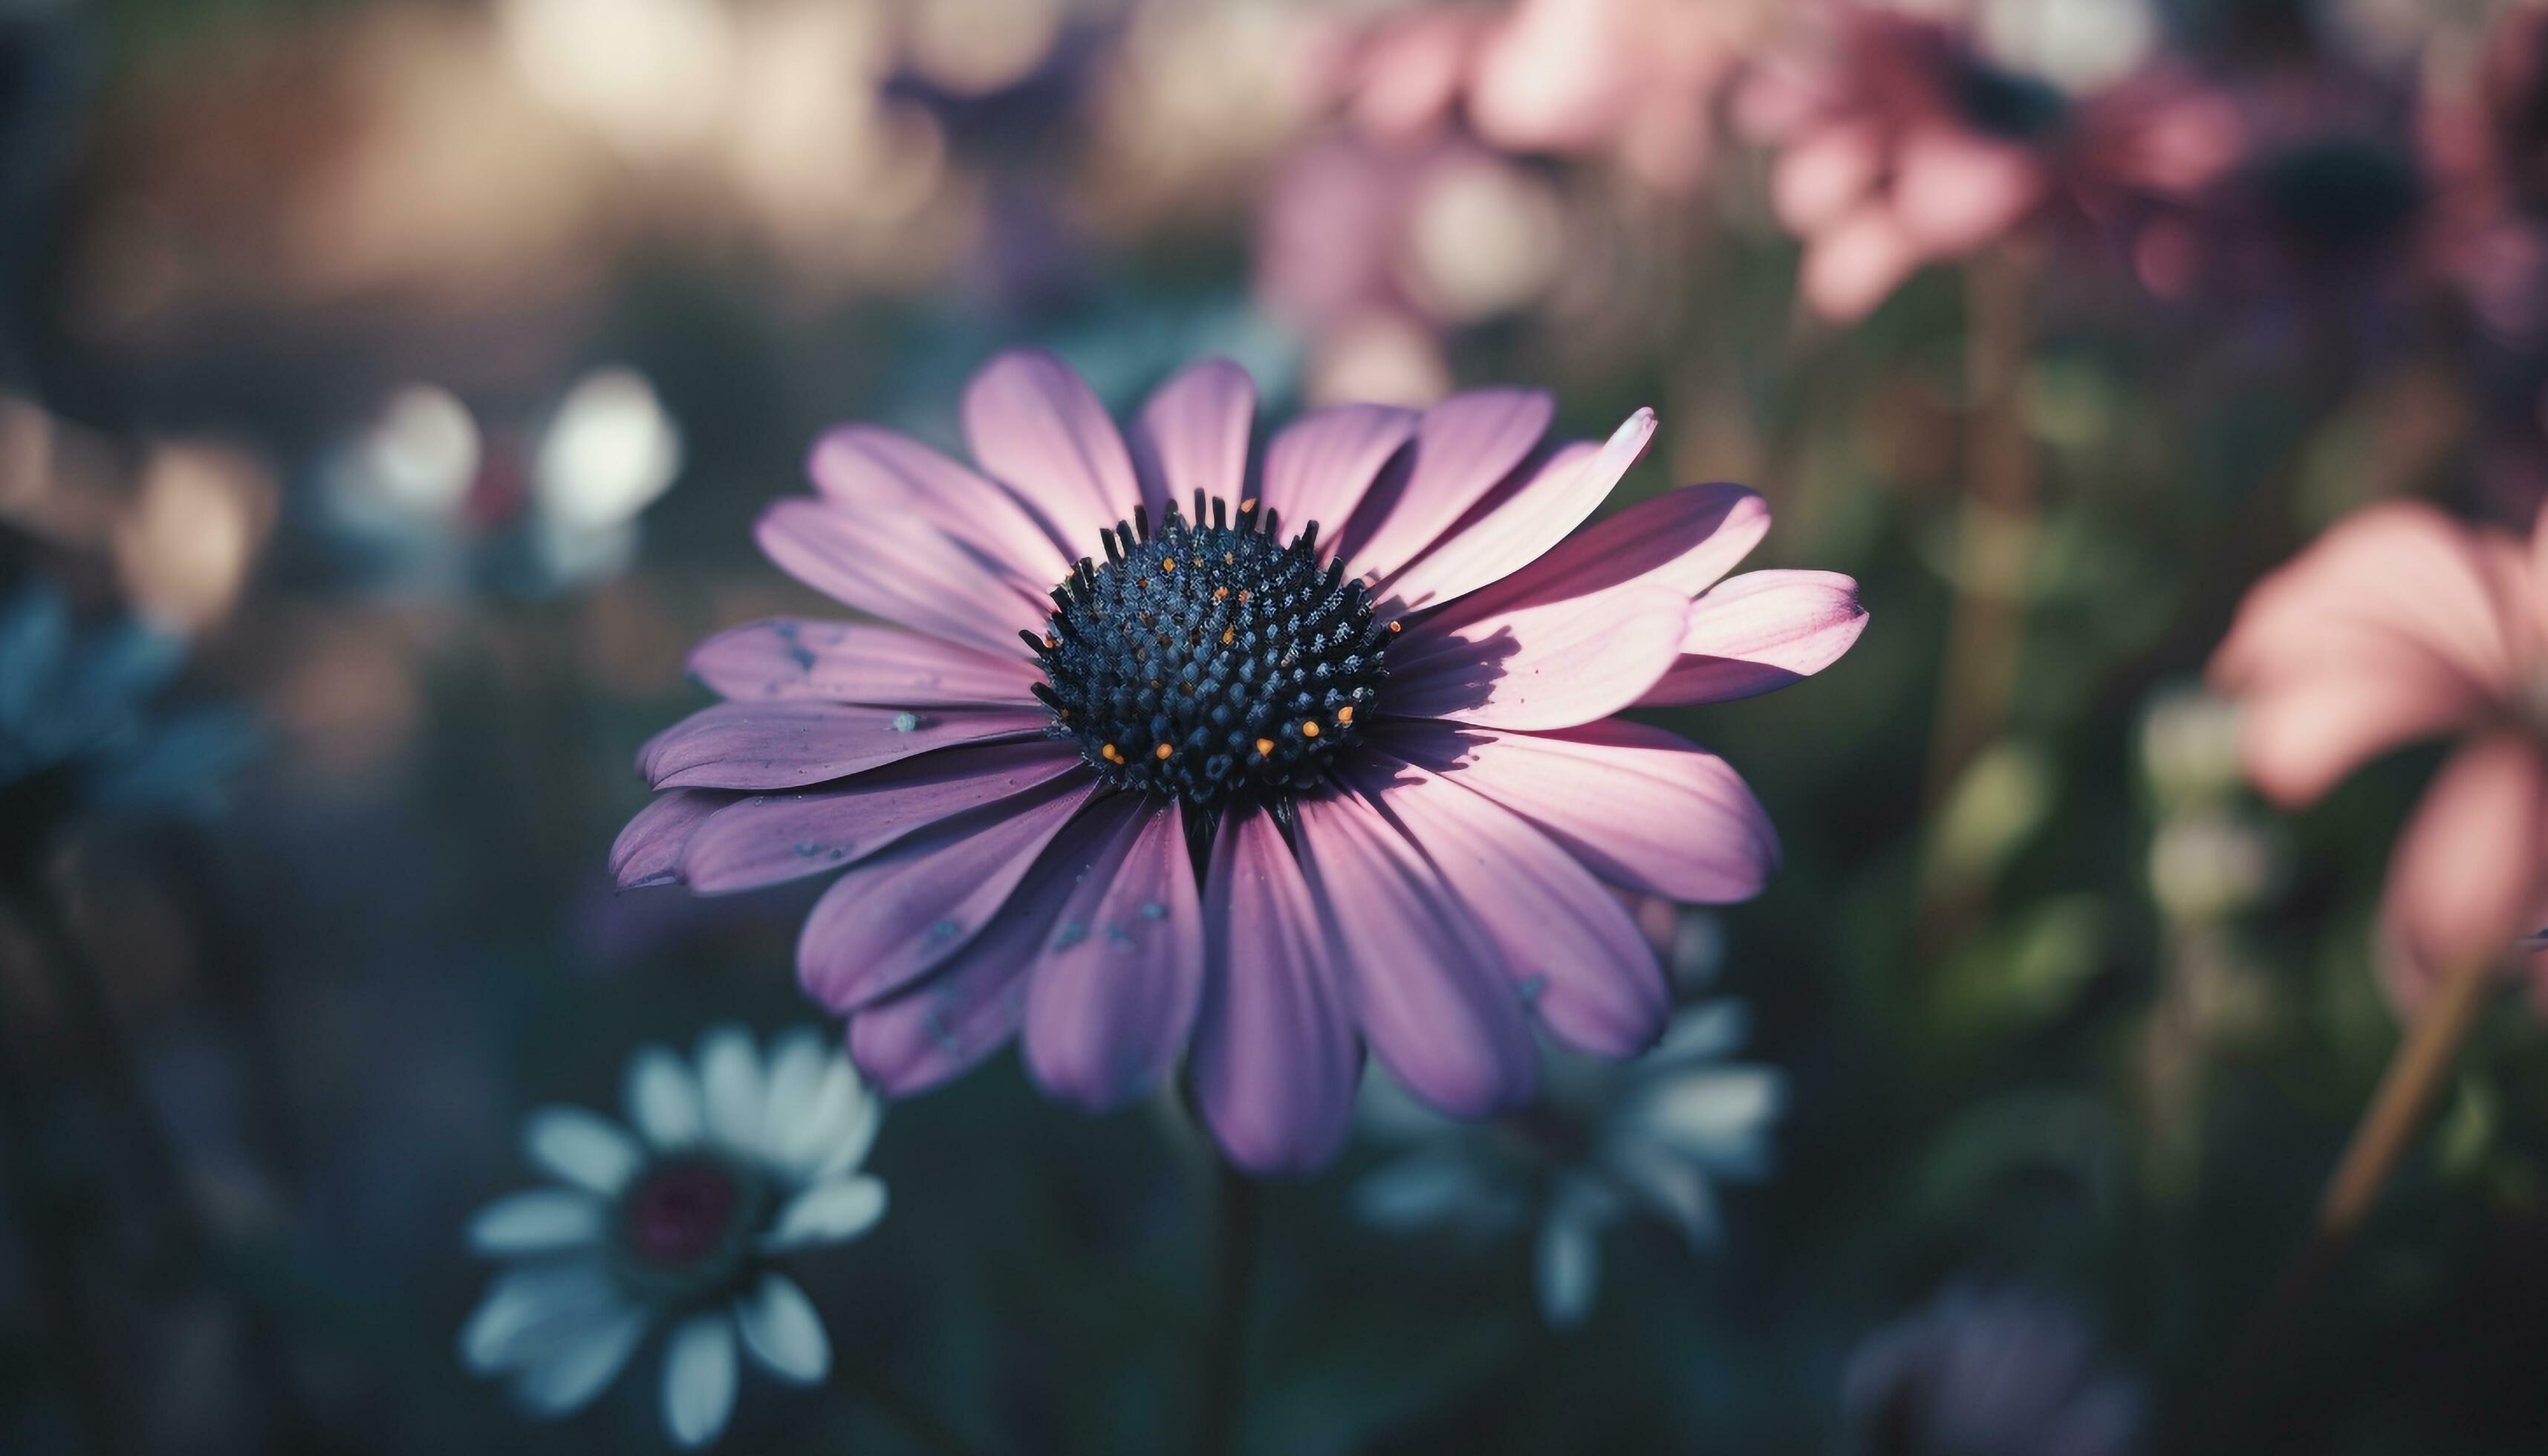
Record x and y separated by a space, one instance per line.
1720 1117
524 1306
699 1377
1568 1265
730 1078
581 1148
838 1124
580 1365
797 1058
828 1213
1704 1033
782 1331
536 1222
1672 1188
1420 1189
664 1099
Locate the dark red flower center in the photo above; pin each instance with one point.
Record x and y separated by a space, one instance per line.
1203 661
681 1212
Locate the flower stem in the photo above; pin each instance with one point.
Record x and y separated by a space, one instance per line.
1238 1212
2380 1139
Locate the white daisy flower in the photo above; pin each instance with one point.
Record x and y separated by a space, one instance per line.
1605 1140
730 1164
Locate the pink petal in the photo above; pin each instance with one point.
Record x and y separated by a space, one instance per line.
787 658
1641 808
2388 586
872 471
1464 446
1817 179
1572 951
1761 631
1318 466
1852 267
1275 1060
1548 666
902 570
2466 880
1037 426
1521 523
1954 190
787 745
1117 985
947 1024
1684 540
898 915
649 849
1425 983
1193 436
769 838
2299 736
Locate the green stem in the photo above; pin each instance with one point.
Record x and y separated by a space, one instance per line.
1238 1215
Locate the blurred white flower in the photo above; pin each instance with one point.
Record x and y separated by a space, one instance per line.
2211 863
607 453
2189 745
1606 1140
733 1161
649 75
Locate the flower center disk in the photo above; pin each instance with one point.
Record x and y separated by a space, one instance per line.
1203 661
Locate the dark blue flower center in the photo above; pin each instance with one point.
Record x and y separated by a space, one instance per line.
1201 661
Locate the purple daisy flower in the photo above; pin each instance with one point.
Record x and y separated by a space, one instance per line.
1153 754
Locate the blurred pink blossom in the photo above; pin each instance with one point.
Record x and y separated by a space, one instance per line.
1900 144
2400 624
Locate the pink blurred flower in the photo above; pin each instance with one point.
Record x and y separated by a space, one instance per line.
2400 624
1633 80
1899 145
1234 797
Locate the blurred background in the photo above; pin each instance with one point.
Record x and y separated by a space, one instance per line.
387 389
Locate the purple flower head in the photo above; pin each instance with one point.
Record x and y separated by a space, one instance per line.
1984 1372
1159 753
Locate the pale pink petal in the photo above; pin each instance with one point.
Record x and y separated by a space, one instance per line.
1193 436
1425 984
900 914
1852 266
1817 179
649 849
2467 878
769 838
1552 664
2302 734
1684 540
1116 986
1551 76
1573 953
1954 190
1758 632
1464 447
1038 427
857 662
944 1026
2387 586
1524 519
872 471
1275 1059
903 571
1318 466
787 745
1640 807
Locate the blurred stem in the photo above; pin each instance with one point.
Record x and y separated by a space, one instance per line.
1238 1212
924 1426
2425 1056
69 1339
1995 548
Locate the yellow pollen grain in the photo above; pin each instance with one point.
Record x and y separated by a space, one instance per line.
1217 592
1051 641
1393 626
1345 714
1247 505
1228 558
1227 633
1164 751
1168 564
1242 594
1111 754
1265 748
1308 728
